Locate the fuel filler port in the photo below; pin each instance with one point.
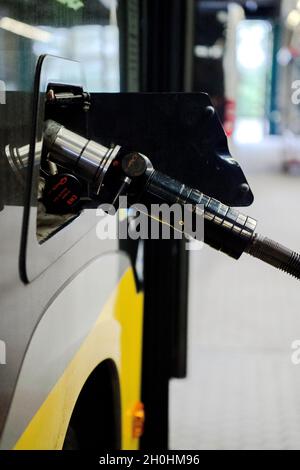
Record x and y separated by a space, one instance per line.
60 192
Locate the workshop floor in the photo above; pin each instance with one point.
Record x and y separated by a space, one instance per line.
242 389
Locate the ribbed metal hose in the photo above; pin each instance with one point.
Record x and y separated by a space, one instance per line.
275 254
225 228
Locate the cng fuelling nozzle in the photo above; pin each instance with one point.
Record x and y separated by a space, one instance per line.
117 170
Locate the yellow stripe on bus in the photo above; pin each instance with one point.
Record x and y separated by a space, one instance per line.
117 335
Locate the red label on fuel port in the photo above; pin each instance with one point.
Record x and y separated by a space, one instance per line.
62 193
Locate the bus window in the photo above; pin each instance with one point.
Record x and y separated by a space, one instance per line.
84 31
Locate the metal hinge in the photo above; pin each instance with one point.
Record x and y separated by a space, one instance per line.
67 97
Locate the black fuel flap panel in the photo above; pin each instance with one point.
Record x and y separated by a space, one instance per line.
179 132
